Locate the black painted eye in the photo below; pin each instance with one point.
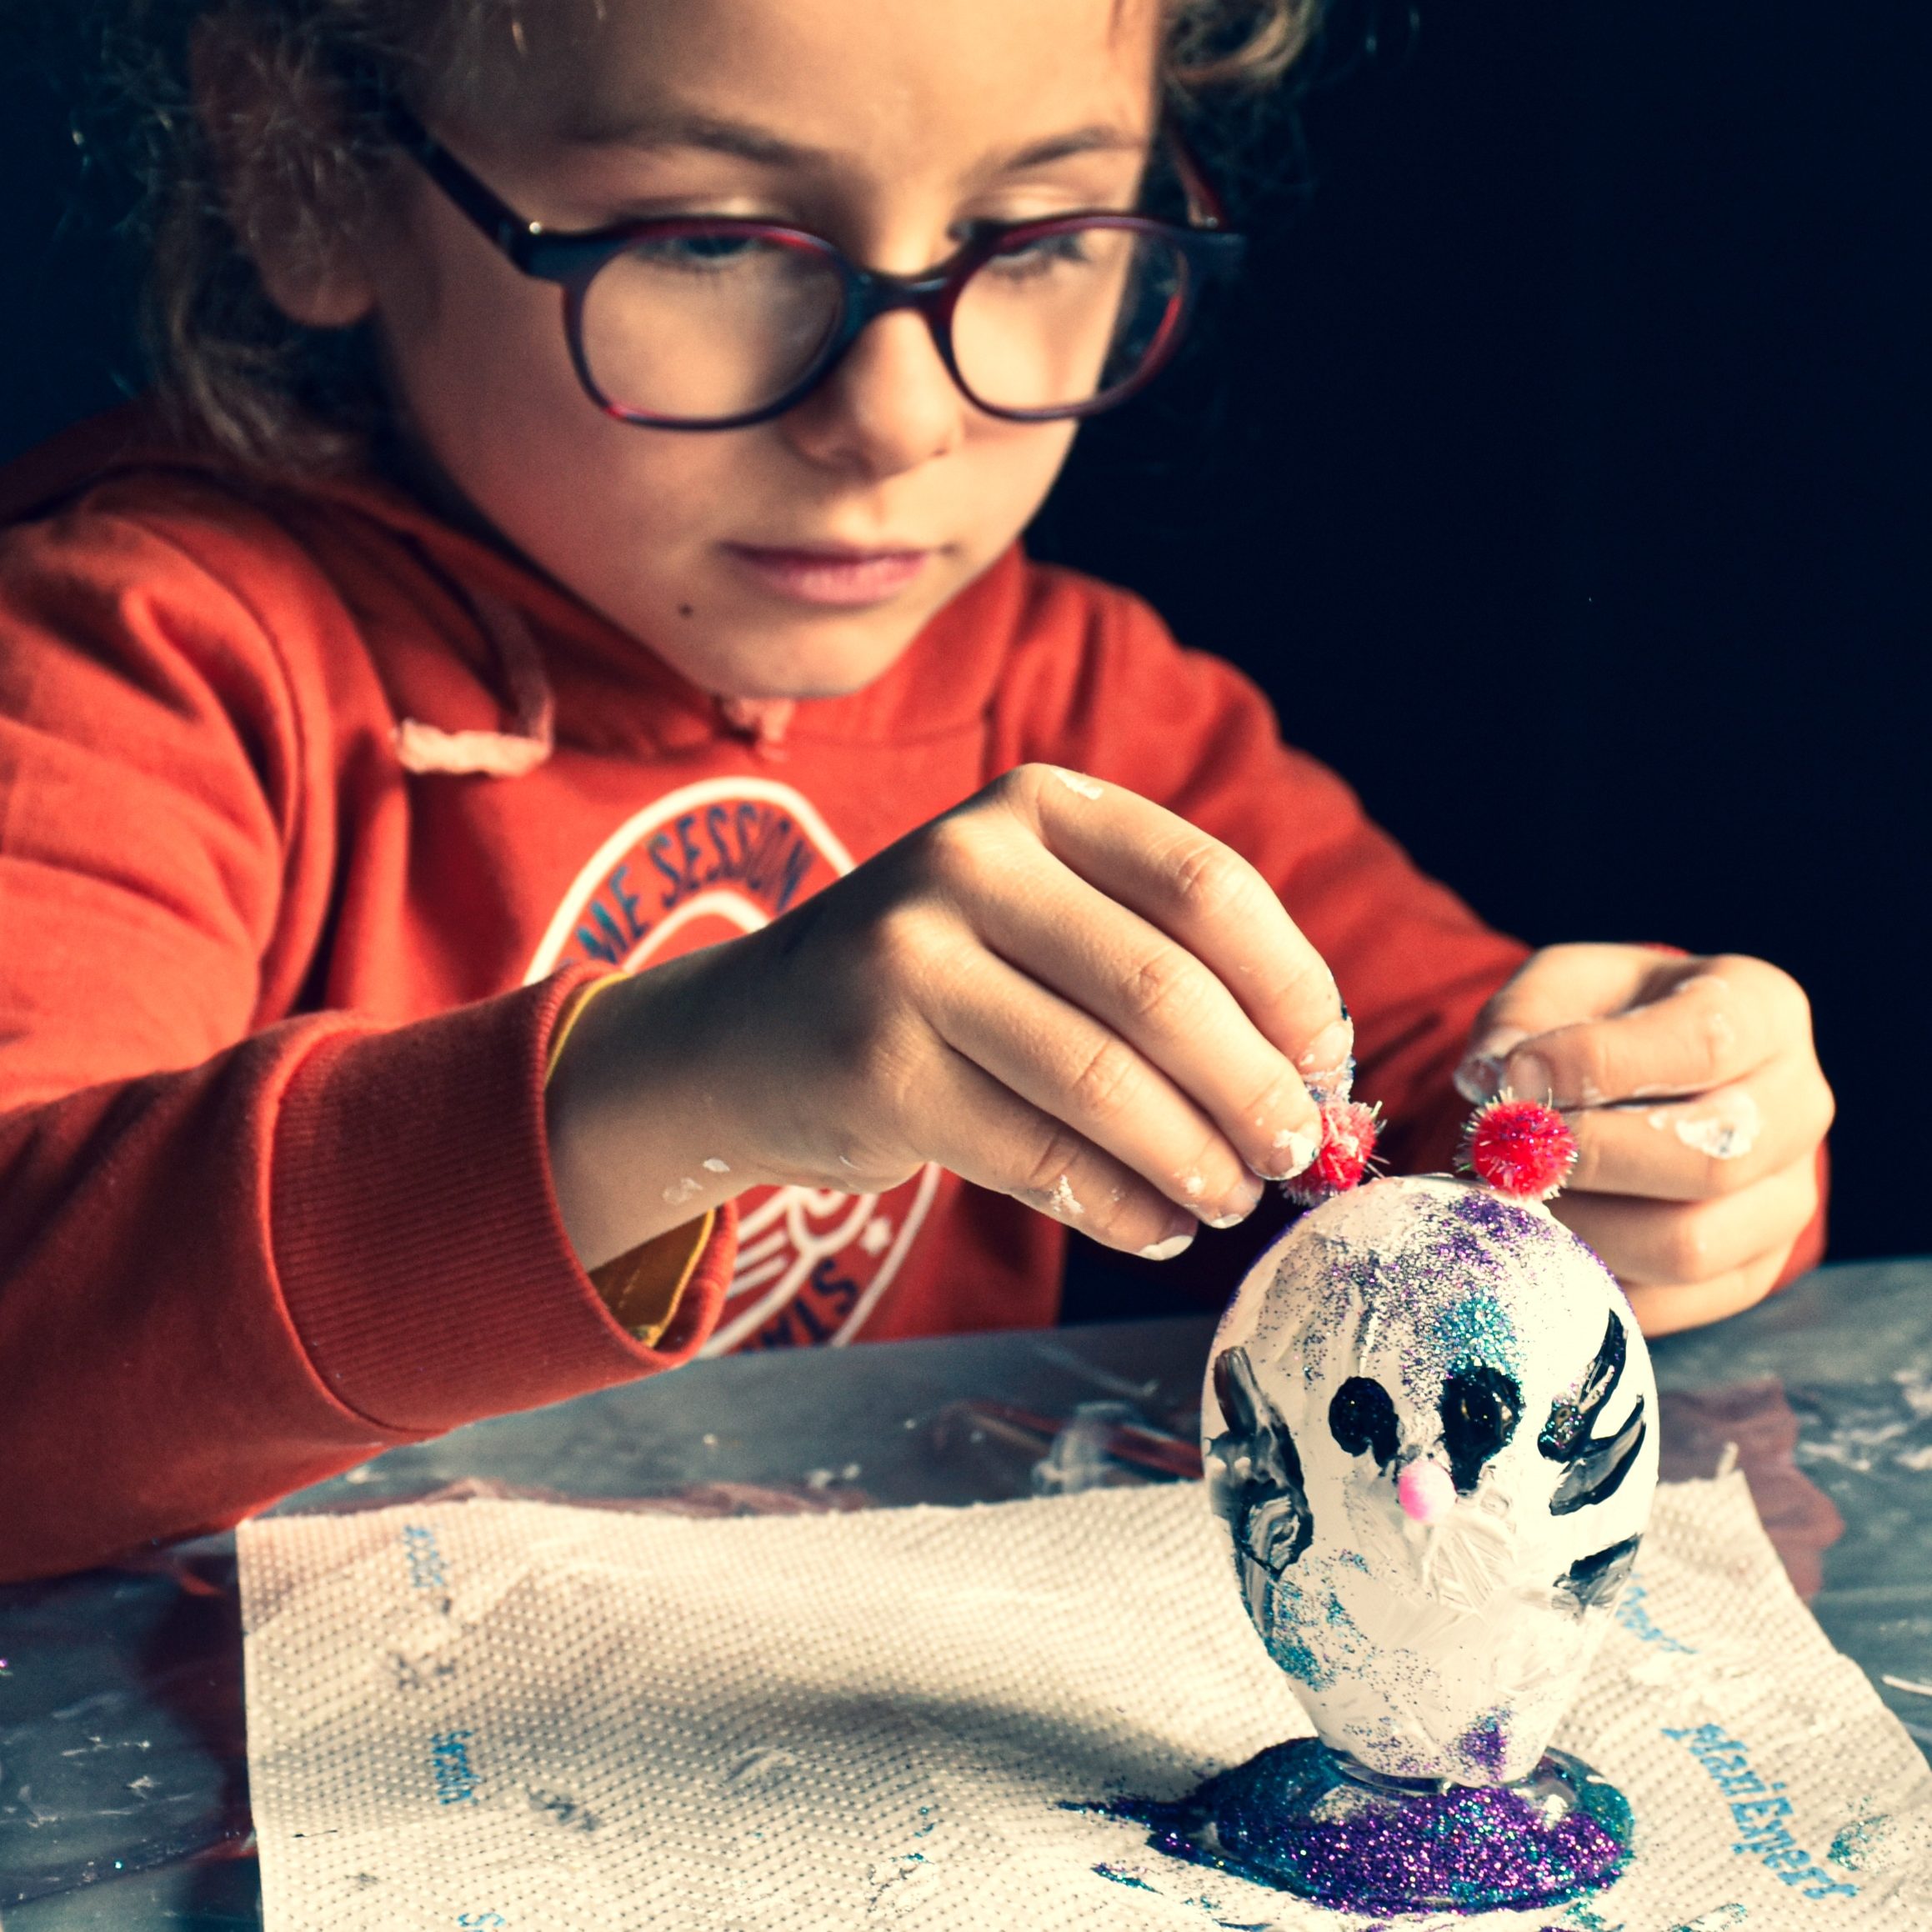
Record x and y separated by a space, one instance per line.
1480 1408
1362 1419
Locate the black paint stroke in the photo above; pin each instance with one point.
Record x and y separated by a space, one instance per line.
1362 1419
1599 1469
1571 1418
1480 1408
1597 1465
1592 1581
1254 1481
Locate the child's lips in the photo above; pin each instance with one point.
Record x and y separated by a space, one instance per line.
833 576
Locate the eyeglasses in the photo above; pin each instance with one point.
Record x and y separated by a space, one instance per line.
705 323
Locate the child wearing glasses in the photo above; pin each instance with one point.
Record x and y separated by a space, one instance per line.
547 825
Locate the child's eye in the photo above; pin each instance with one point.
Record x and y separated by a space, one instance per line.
1028 260
704 254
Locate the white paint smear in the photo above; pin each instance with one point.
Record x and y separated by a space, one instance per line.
1075 783
680 1192
716 1166
1727 1132
1166 1250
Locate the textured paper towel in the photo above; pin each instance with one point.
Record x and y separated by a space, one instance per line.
516 1715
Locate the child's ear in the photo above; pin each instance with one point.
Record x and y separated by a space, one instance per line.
292 188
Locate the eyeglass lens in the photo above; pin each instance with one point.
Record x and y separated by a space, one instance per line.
706 326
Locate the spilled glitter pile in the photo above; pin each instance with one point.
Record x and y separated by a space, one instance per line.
1292 1818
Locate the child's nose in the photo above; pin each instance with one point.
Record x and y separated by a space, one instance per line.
889 406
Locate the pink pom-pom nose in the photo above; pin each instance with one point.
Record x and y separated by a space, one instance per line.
1426 1491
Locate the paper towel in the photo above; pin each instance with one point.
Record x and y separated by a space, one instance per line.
515 1716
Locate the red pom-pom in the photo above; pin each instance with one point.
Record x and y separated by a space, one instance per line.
1520 1148
1349 1129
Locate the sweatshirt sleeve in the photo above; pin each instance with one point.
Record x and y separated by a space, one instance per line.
235 1257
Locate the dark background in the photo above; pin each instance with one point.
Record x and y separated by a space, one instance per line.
1561 471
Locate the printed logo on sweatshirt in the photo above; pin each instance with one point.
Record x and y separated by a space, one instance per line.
711 862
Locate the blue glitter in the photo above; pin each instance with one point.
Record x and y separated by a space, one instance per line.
1122 1878
1476 1330
1287 1612
1856 1844
1297 1660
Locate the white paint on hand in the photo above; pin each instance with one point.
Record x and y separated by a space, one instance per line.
713 1165
680 1192
1074 781
1192 1186
1728 1131
1060 1200
1298 1151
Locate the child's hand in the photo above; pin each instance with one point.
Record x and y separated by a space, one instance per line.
1698 1104
1059 991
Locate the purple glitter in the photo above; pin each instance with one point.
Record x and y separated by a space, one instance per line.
1496 1216
1292 1818
1487 1745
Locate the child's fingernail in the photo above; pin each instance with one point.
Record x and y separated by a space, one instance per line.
1236 1206
1294 1148
1480 1076
1329 1050
1166 1250
1531 1078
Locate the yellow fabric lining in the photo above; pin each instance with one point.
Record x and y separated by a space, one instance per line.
642 1287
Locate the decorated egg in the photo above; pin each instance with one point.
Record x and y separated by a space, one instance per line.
1430 1429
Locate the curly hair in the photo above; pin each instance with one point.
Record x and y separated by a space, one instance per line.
232 369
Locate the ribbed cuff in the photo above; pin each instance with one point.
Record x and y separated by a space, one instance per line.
421 1257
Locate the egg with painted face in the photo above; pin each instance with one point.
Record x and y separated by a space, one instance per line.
1429 1427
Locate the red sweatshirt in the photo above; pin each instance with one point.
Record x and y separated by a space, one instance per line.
274 1009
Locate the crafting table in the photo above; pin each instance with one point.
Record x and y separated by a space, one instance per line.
123 1769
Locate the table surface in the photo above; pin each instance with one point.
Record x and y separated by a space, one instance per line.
122 1772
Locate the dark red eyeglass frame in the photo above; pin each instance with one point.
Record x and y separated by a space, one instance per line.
572 261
